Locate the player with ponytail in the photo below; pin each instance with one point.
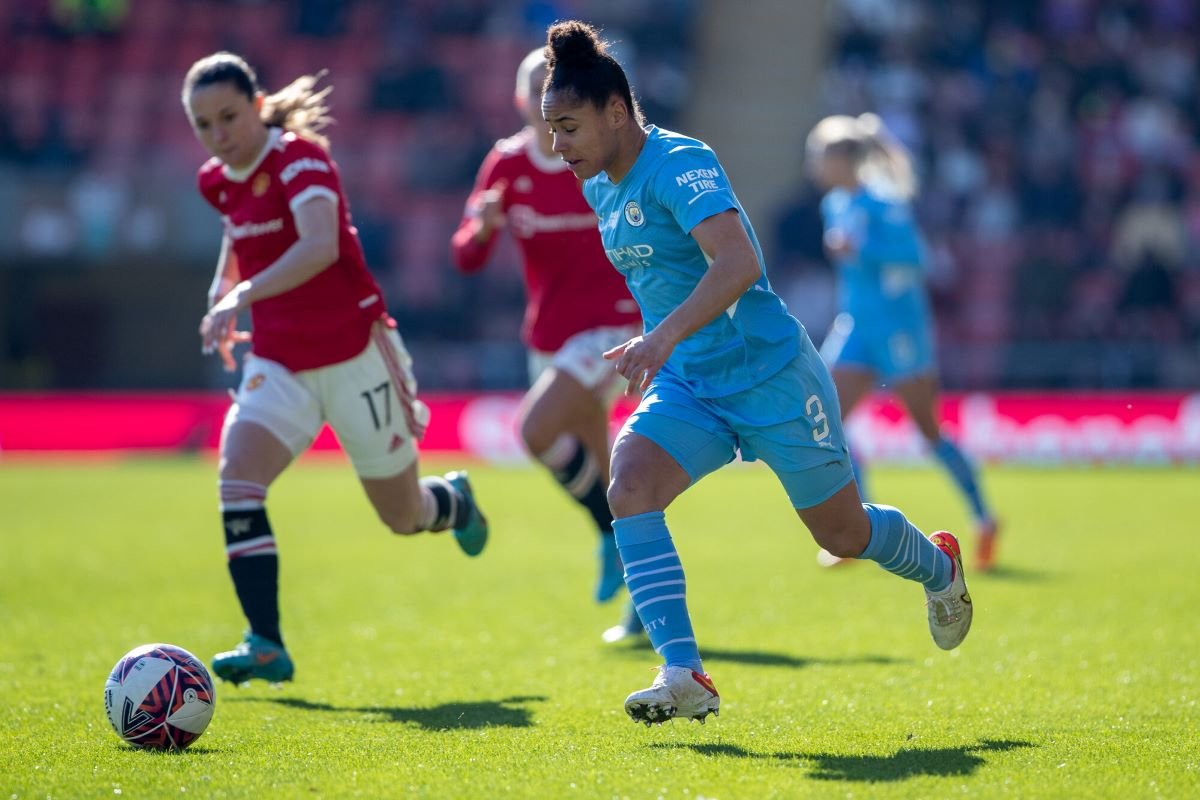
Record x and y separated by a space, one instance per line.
721 367
884 329
324 347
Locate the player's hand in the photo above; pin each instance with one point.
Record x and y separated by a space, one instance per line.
491 209
218 331
639 360
837 243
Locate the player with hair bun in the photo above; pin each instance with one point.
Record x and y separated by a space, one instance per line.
884 329
577 308
324 347
721 368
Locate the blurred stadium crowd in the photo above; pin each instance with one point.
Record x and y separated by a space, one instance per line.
1056 140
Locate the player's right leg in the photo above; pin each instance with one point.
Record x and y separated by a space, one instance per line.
273 419
564 425
670 442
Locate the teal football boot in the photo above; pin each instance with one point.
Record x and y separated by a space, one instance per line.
472 536
255 657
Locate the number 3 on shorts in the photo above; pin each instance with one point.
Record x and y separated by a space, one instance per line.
814 409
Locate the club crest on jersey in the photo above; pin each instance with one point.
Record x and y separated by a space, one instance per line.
261 183
633 214
255 382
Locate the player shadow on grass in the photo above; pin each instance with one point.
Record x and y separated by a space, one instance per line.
1010 574
194 750
764 658
506 713
903 764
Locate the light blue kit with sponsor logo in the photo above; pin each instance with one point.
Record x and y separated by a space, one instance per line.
885 323
749 380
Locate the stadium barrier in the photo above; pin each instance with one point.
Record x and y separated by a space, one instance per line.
1030 428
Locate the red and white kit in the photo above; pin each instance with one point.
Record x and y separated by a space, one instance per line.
577 304
325 350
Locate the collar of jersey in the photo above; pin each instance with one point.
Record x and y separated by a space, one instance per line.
240 175
539 159
644 157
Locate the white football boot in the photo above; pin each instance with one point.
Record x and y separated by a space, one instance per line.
950 610
676 692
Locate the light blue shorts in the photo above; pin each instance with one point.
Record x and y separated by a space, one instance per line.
896 347
790 422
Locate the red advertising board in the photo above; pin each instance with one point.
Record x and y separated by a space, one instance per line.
1018 427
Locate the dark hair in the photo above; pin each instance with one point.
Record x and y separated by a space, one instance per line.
295 107
578 61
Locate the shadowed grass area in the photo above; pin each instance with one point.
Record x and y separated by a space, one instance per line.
424 673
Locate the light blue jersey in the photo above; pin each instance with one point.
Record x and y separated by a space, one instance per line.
750 381
645 223
885 323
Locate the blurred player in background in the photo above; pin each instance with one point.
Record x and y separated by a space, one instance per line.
884 331
577 308
720 368
325 349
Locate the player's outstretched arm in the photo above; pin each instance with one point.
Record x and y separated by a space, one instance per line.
733 268
471 245
227 275
315 250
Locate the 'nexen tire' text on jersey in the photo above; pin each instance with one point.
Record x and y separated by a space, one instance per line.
570 285
327 319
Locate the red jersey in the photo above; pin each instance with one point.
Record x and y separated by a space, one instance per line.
327 319
570 285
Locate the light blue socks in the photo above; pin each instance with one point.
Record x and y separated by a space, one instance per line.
656 584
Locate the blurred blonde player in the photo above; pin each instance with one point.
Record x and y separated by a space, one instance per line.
324 349
884 330
577 308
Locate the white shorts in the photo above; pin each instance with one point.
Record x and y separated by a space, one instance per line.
582 357
370 401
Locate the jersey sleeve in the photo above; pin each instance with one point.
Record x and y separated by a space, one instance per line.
466 251
692 185
206 183
305 172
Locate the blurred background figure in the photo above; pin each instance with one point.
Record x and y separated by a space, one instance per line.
883 333
577 307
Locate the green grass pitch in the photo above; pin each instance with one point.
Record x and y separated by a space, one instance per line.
422 673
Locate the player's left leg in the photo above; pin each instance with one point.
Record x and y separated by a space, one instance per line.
408 505
370 402
919 395
809 456
853 382
846 526
564 425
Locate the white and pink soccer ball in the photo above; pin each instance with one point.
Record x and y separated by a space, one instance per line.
160 697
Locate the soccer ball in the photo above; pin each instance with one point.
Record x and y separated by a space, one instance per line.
160 697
